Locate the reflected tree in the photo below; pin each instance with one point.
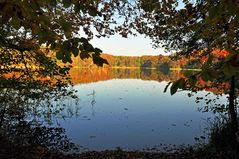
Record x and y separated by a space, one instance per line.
25 124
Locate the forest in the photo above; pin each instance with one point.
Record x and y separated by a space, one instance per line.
160 62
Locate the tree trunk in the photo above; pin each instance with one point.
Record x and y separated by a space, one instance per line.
233 116
232 104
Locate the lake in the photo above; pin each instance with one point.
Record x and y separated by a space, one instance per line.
128 108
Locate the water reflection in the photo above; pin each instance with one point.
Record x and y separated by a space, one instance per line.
129 109
85 75
26 118
117 107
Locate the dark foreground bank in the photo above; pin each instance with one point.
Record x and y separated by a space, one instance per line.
205 152
223 144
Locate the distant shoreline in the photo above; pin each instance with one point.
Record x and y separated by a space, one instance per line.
150 68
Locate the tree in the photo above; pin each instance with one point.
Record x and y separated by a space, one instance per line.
198 28
36 35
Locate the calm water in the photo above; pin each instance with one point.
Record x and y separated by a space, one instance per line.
133 113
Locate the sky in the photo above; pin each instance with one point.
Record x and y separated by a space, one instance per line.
131 46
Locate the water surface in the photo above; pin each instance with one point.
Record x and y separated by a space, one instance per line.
134 114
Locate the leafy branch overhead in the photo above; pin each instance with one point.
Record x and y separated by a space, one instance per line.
59 24
195 28
207 30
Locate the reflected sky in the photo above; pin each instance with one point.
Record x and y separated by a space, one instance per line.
133 114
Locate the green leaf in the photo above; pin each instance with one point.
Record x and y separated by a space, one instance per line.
15 22
205 75
75 51
83 40
53 45
45 19
213 11
207 64
192 81
66 46
64 60
177 84
66 3
228 69
173 89
75 42
165 89
84 55
99 61
59 55
88 47
34 5
181 83
77 8
234 60
68 58
212 73
93 11
66 26
232 8
97 51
